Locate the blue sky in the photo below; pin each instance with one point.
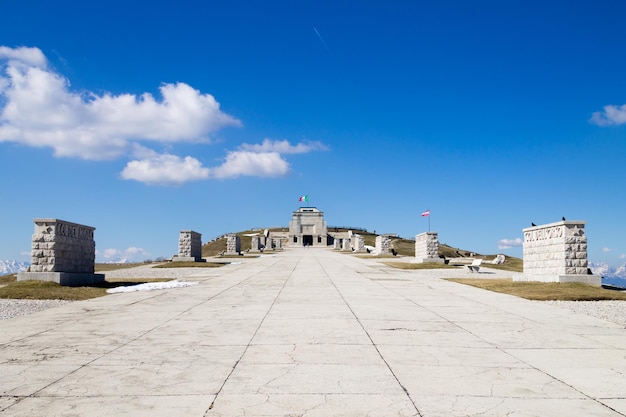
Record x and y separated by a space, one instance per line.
146 118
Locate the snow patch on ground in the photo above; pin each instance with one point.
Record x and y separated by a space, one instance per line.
149 286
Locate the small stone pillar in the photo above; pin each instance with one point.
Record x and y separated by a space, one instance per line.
189 247
358 243
557 252
278 244
383 244
255 244
62 252
337 244
233 244
427 248
346 245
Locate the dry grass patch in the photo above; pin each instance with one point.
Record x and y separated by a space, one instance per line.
426 265
7 279
191 265
114 267
48 290
545 291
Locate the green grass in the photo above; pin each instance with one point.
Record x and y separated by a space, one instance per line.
545 291
47 290
6 279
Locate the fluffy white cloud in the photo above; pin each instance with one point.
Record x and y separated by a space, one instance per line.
38 109
606 250
41 110
263 164
165 170
130 254
611 115
509 243
283 147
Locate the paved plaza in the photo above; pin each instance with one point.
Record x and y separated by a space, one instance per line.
312 332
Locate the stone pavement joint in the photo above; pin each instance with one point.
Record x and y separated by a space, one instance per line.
312 333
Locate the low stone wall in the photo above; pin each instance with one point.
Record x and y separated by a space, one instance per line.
62 252
427 248
189 246
557 252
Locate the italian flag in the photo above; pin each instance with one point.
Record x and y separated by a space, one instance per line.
304 198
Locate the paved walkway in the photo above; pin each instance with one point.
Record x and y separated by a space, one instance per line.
312 333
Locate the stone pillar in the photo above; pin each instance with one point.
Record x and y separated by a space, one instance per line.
337 244
557 252
383 244
255 244
62 252
279 244
346 245
233 244
189 247
427 248
358 243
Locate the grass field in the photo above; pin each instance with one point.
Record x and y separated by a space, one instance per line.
542 291
46 290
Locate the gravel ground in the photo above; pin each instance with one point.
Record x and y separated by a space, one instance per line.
14 308
613 311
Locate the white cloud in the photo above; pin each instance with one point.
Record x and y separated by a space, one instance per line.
40 110
606 250
509 243
165 169
130 254
612 115
23 56
284 147
264 164
622 256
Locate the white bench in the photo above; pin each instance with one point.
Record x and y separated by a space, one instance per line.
475 265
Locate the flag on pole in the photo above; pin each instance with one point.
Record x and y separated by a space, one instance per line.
304 198
426 213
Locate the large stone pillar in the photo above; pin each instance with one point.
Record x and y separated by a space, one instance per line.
557 252
358 243
383 244
189 247
233 244
255 244
427 248
62 252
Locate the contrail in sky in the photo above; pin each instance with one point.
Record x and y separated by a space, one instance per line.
321 39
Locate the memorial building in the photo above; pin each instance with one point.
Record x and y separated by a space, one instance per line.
308 228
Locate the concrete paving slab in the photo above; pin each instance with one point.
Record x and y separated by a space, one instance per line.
312 333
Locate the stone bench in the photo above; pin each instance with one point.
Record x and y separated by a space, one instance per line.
475 265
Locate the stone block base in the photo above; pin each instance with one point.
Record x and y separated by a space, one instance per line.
63 278
595 280
429 261
187 259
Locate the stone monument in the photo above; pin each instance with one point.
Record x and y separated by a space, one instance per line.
427 248
62 252
308 228
189 247
255 244
358 243
557 252
383 243
233 244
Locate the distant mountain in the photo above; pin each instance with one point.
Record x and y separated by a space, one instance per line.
605 270
12 267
